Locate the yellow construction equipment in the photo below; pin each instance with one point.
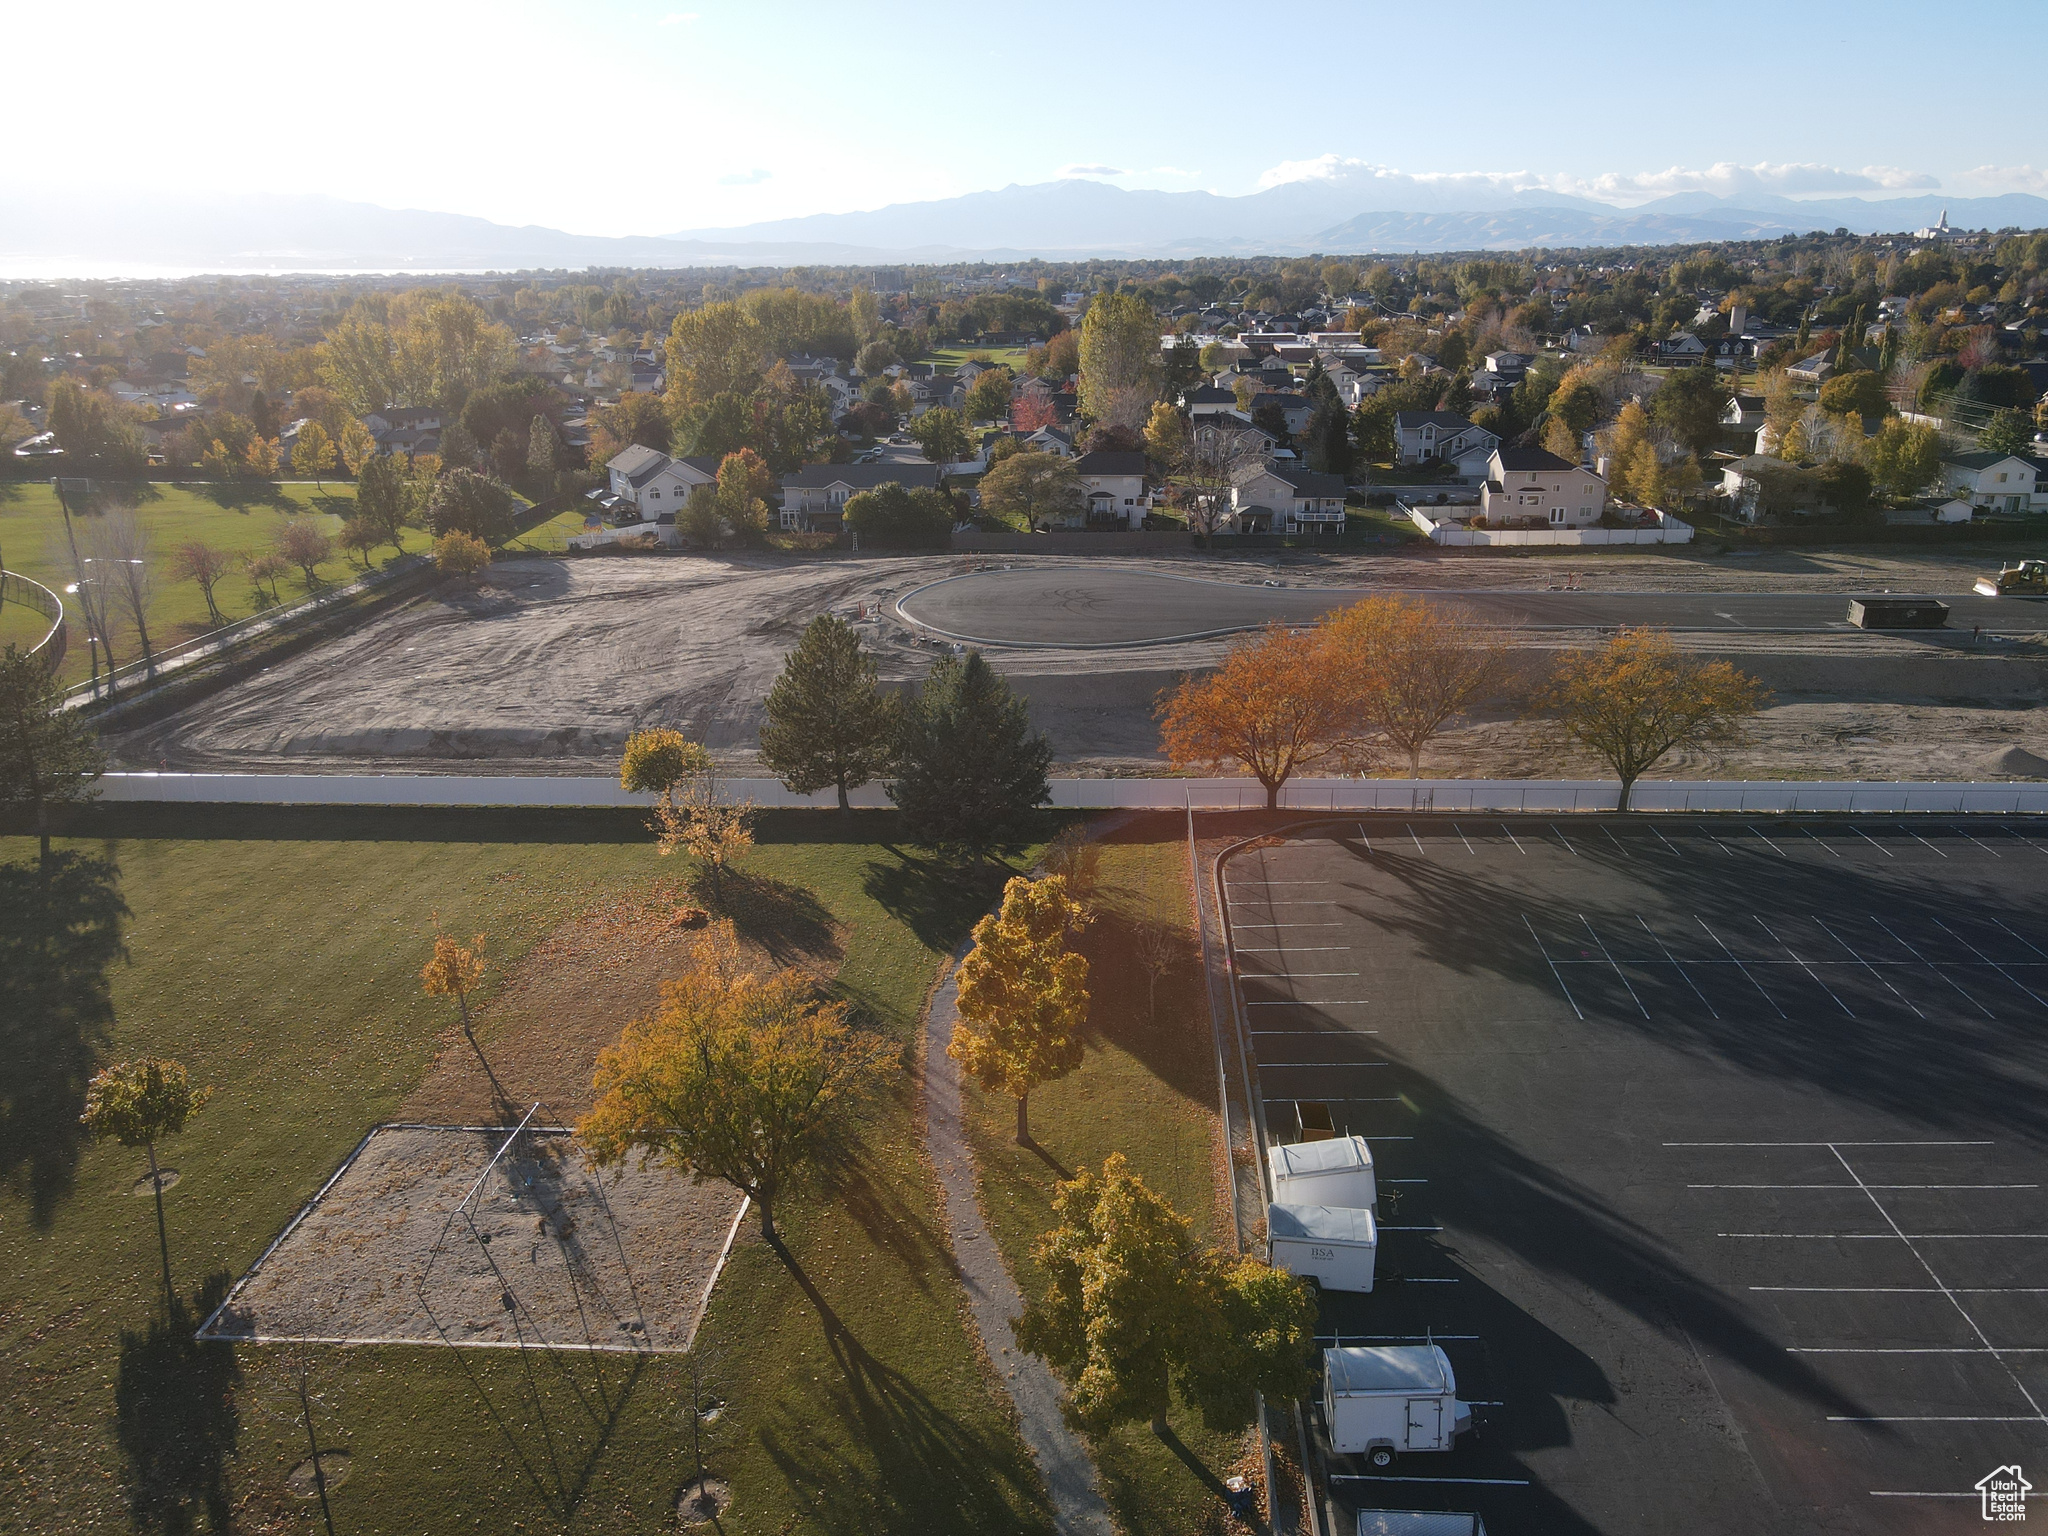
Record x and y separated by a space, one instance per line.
2027 579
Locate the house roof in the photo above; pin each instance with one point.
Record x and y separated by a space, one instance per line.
1308 482
1982 460
1512 459
862 477
1208 394
1111 463
638 463
1448 421
1281 399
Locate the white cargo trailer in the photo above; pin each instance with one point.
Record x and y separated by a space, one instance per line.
1333 1245
1391 1398
1415 1522
1335 1172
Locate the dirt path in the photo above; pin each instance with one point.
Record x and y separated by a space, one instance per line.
992 1295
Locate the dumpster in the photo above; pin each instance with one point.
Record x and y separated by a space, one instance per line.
1887 611
1391 1398
1415 1522
1337 1172
1329 1244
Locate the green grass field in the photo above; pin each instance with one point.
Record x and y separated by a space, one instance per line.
276 953
240 518
1011 358
1147 1090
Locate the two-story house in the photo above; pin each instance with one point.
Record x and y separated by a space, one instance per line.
1534 483
1271 498
656 485
814 497
1994 482
1423 436
1113 487
1296 411
1356 381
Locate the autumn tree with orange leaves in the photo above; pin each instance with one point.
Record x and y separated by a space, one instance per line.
1412 667
1277 705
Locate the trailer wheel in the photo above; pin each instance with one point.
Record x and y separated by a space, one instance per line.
1382 1457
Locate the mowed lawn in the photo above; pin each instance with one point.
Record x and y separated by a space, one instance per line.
1147 1090
276 953
242 519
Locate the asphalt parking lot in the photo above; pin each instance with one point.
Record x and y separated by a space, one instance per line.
1718 1146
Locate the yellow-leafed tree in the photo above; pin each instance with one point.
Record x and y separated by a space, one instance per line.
1023 995
1276 706
738 1077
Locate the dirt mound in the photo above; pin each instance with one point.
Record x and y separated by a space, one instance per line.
2015 763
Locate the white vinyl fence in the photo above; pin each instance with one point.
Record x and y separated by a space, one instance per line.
1548 796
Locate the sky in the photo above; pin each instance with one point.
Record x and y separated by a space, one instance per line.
616 117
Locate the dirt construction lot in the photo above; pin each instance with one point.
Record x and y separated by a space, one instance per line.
553 662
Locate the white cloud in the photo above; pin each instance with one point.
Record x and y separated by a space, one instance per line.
679 18
752 178
1067 172
2006 178
1725 179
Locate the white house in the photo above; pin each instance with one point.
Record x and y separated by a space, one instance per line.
655 484
1994 482
1420 436
1534 483
1355 381
1113 485
1269 498
815 496
1207 400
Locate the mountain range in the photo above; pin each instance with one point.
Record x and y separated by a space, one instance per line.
45 234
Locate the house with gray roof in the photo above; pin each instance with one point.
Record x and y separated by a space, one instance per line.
814 497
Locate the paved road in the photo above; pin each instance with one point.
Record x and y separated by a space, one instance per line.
1079 609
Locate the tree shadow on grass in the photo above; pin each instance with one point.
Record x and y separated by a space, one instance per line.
60 935
241 495
786 920
937 901
857 1183
175 1416
917 1468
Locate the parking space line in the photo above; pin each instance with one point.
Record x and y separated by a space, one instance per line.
1956 832
1290 949
1565 840
1918 838
1513 839
1922 1349
1961 1311
1617 967
1805 967
1908 1290
1305 1002
1937 970
1895 992
1363 838
1838 1184
1303 904
1830 1143
1738 964
1357 1065
1554 971
1930 1418
1288 925
1262 883
1290 975
1618 843
2043 954
2032 843
1880 847
1827 845
1781 853
1465 840
1973 949
1416 840
1668 844
1696 992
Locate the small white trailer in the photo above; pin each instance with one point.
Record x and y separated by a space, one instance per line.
1333 1245
1391 1398
1415 1522
1335 1172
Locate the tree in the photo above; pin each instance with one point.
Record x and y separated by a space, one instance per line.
357 447
1166 435
543 456
1119 361
124 569
1691 403
1023 995
1133 1309
384 500
301 541
2009 431
48 754
658 760
969 771
1275 707
706 824
198 561
1630 433
359 537
471 503
265 569
1329 440
829 723
455 970
1845 487
1861 393
1213 461
461 555
737 1077
889 517
713 351
744 485
942 435
1638 697
312 453
1414 666
1560 439
1042 489
988 398
634 418
138 1103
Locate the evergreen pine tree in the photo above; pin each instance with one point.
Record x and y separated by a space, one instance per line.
828 720
969 771
48 754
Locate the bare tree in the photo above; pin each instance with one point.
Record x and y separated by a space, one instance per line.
124 562
198 561
1211 462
